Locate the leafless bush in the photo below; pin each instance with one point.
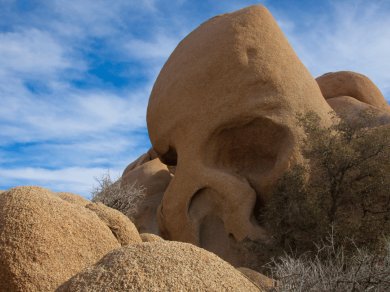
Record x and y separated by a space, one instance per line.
331 270
114 194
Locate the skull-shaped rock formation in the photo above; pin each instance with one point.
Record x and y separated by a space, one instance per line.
223 110
358 86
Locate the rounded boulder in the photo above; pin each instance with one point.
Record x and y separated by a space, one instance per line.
358 86
148 237
45 240
74 199
119 224
159 266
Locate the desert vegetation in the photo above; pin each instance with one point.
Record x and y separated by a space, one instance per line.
329 217
330 269
345 186
117 195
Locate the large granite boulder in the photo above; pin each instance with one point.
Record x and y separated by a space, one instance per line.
154 177
45 240
146 157
74 199
358 86
159 266
223 110
123 229
347 105
148 237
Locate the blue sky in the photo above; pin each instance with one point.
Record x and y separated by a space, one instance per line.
75 75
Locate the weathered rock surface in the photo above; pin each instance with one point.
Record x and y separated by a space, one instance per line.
74 199
150 155
45 240
152 175
354 107
155 177
120 225
223 110
159 266
145 218
358 86
148 237
258 279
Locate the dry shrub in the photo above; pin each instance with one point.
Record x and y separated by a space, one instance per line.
332 270
346 184
122 197
343 190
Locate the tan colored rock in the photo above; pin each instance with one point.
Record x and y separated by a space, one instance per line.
45 240
139 161
159 266
172 169
358 86
145 218
152 175
150 155
223 110
155 177
120 225
258 279
148 237
355 107
74 199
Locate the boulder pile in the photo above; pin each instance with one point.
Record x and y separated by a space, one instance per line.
44 240
222 121
63 242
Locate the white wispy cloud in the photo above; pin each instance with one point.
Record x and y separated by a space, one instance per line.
75 132
74 179
160 47
29 118
31 51
66 125
352 36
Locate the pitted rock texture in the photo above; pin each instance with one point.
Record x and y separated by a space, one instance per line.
159 266
223 110
74 199
358 86
120 225
45 240
148 237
